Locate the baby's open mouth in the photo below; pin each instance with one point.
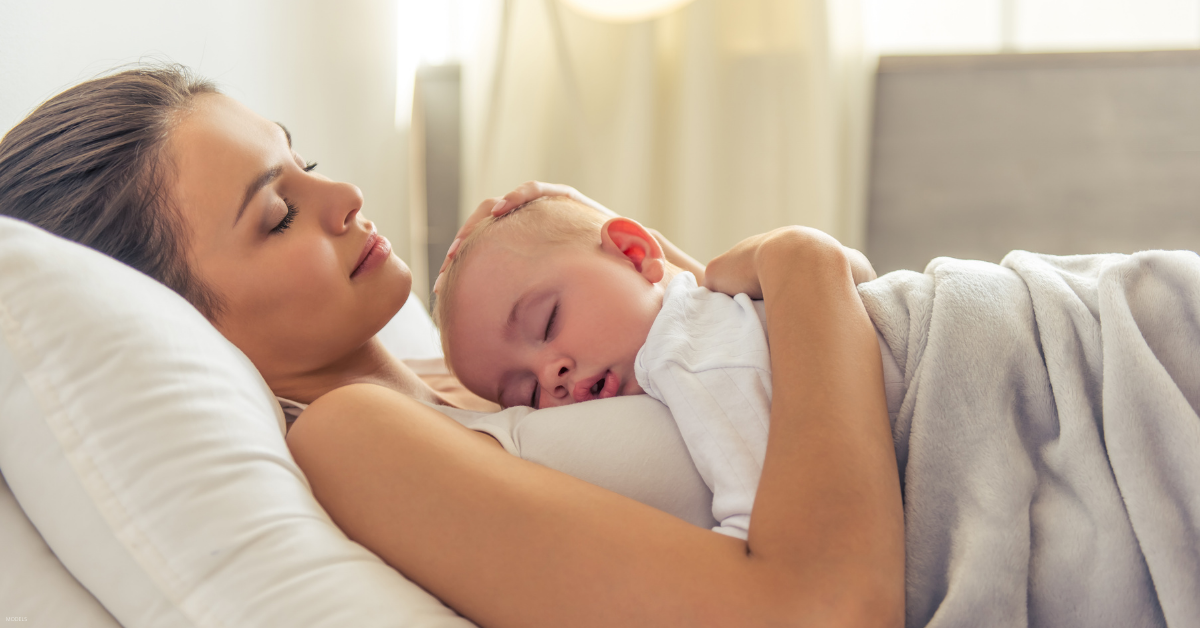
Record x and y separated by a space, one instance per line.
605 386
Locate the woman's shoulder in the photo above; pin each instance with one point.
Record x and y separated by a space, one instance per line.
371 411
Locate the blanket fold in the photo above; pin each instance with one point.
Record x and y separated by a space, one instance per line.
1048 441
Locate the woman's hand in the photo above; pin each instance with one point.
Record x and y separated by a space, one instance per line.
528 191
532 190
738 270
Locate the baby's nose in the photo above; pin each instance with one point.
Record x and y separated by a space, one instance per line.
555 385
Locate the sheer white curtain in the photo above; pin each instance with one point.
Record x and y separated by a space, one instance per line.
716 121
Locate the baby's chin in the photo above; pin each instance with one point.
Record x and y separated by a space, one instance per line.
630 388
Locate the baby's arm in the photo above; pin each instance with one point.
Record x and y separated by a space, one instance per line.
707 359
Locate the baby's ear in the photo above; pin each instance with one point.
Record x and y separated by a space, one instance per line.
628 239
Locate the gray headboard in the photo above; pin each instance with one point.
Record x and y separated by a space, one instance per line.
973 156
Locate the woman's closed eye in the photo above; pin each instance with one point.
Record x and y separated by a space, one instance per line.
287 218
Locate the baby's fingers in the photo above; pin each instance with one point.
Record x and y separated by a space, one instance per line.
735 271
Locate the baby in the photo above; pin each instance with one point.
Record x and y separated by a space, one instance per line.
555 304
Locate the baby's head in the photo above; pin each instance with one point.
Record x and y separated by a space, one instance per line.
549 304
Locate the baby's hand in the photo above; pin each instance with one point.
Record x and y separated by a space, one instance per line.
738 269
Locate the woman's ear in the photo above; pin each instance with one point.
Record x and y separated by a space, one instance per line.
629 240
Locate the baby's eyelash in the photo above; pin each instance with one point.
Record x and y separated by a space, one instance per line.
550 322
287 218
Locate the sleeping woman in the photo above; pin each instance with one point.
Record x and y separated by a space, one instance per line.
162 172
1048 461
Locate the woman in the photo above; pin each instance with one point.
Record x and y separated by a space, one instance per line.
167 175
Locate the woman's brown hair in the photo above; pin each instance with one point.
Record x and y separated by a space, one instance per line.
89 165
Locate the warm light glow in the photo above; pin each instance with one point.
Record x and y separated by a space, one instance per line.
625 10
429 32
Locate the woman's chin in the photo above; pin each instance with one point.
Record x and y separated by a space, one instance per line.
393 291
401 274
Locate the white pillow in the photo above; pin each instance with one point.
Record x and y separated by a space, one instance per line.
149 454
411 334
34 586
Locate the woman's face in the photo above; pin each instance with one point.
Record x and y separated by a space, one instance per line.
302 276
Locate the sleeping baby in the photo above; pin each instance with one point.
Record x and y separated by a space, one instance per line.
554 304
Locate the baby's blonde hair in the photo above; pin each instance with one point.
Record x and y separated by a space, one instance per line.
556 220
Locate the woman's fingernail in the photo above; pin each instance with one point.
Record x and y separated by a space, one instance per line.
453 247
499 206
437 283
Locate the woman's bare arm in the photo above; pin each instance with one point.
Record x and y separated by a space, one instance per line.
510 543
830 470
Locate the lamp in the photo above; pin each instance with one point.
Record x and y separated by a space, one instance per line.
625 10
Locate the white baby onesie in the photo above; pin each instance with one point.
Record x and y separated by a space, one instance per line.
707 358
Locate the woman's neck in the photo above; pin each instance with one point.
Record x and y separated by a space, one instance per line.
369 364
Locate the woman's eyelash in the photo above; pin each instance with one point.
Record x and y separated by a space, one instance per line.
550 323
287 218
310 166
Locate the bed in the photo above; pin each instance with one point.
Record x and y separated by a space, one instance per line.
1048 460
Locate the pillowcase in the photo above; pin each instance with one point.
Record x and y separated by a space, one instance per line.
411 334
148 453
34 586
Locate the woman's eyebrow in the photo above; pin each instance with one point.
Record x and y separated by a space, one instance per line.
263 179
256 185
286 133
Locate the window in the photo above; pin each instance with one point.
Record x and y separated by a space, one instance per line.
980 26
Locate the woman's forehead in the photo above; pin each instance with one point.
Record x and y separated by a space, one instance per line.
219 149
218 126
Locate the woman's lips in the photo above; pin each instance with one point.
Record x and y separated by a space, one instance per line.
609 382
375 252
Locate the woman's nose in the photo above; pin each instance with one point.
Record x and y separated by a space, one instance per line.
344 200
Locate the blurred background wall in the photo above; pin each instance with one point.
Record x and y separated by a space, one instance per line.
708 119
325 69
712 122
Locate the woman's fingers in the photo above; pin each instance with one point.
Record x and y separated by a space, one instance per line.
483 210
498 206
532 190
528 191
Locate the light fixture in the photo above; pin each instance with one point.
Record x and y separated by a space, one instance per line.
625 10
